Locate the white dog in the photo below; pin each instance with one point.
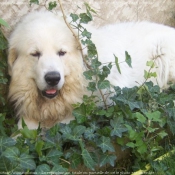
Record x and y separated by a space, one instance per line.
46 66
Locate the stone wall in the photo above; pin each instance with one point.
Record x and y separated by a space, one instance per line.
108 11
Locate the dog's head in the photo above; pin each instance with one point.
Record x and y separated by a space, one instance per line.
42 48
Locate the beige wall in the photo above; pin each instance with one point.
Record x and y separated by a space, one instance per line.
109 11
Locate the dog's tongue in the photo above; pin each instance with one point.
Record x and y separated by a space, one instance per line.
51 91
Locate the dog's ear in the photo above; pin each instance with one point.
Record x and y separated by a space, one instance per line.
12 56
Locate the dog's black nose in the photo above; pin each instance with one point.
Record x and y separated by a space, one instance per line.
52 78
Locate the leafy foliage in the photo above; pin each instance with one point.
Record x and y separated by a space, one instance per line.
137 119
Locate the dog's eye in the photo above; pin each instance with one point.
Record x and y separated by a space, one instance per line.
36 54
61 53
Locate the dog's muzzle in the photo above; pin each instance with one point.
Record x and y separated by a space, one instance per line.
52 79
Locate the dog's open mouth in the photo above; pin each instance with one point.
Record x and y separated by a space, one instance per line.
50 93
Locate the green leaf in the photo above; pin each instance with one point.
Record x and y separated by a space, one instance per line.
154 116
88 8
107 159
92 51
2 22
75 160
2 128
106 71
6 142
105 144
88 160
130 144
92 86
52 5
9 167
118 127
88 74
150 63
34 2
84 18
79 130
87 34
95 63
27 162
89 134
74 17
12 153
117 64
38 147
59 168
27 133
140 117
80 113
162 134
148 75
43 168
141 146
103 84
54 153
66 131
128 59
128 96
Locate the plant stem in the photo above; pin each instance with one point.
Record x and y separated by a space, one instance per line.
77 39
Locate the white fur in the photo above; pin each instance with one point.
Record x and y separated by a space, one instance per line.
48 34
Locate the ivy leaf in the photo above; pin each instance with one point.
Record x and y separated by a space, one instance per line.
87 34
128 59
88 160
107 159
2 22
75 160
74 17
95 63
118 127
88 74
88 8
79 130
34 2
103 84
27 133
8 167
89 133
130 144
150 64
66 131
106 71
162 134
6 142
140 117
52 5
80 113
141 146
12 153
117 64
84 18
38 147
27 162
43 168
154 116
105 144
92 86
54 153
59 168
92 51
148 75
128 96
